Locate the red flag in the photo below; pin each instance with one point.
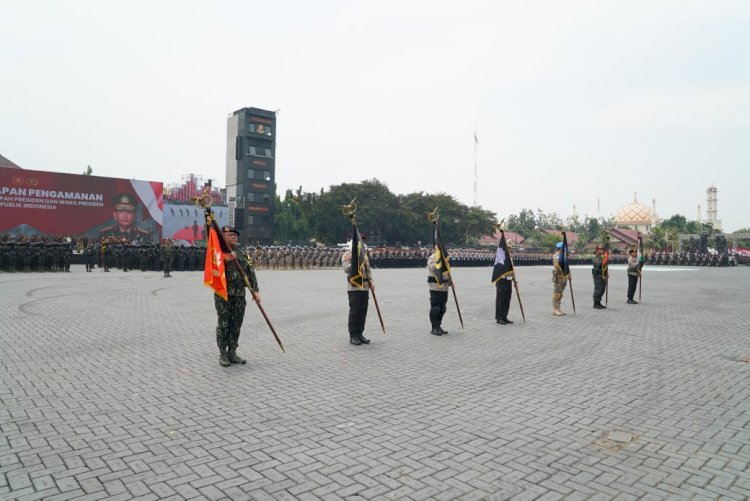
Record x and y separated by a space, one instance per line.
213 272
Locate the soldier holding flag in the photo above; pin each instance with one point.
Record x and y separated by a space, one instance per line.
634 272
356 265
502 276
439 279
229 291
600 267
560 272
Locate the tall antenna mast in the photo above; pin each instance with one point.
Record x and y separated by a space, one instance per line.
476 142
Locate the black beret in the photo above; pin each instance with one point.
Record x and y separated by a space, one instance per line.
229 229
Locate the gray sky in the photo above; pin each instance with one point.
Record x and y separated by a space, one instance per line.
571 100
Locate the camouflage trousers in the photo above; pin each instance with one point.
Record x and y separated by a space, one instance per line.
599 286
230 315
558 294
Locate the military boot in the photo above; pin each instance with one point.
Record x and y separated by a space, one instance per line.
223 358
234 358
354 339
362 339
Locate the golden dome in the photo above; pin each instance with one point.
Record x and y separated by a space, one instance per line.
634 213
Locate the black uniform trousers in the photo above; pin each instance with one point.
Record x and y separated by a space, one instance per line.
502 298
358 302
438 300
632 283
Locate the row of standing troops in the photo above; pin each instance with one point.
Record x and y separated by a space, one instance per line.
310 258
148 257
35 256
230 310
439 281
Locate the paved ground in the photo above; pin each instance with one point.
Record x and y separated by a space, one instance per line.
110 388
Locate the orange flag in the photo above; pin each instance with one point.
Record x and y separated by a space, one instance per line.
213 271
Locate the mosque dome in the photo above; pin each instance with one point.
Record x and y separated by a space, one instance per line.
635 215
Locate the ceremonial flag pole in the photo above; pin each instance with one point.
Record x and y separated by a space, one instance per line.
605 269
566 268
641 261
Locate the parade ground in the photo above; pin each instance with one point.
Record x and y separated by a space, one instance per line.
111 389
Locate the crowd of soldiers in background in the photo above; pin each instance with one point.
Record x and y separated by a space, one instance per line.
43 255
36 256
308 258
57 255
150 257
692 259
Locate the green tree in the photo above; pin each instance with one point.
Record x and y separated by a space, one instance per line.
290 220
524 223
676 222
88 171
382 215
548 241
657 241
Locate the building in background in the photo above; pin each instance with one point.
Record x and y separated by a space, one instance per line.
712 208
637 216
4 162
189 187
251 174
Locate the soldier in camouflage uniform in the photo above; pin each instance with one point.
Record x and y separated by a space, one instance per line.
559 280
231 312
599 280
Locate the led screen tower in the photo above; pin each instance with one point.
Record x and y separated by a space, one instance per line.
251 174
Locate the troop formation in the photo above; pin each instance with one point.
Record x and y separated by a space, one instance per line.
35 256
329 257
149 257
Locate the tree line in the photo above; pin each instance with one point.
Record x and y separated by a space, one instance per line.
391 219
386 218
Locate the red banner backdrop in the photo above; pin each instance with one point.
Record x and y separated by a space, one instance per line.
52 203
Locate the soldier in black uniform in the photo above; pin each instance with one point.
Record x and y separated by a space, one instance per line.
438 294
167 252
124 220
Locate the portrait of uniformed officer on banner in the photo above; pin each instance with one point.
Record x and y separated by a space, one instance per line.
123 215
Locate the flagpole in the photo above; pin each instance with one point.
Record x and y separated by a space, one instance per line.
570 275
606 279
476 142
515 283
640 267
